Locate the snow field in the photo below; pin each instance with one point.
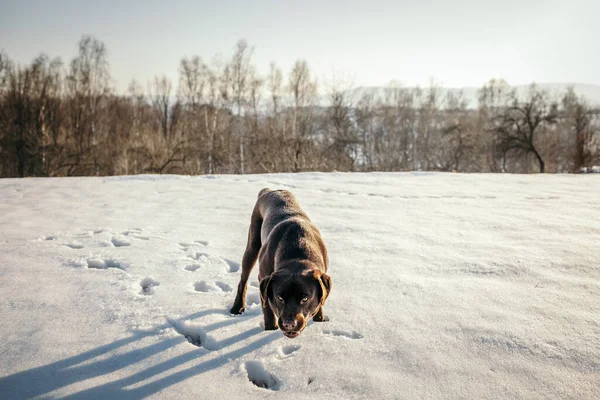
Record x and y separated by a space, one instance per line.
444 286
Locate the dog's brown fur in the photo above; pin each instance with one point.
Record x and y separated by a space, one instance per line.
292 263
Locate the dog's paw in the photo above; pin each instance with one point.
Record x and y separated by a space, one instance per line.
237 310
271 327
320 318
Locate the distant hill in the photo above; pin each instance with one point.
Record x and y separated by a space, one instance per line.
470 94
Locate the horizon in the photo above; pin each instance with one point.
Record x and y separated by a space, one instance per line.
370 45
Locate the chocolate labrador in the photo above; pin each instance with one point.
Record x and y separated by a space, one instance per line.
292 264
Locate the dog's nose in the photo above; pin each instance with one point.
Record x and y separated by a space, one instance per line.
289 324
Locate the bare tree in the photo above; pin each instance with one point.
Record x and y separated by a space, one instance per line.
428 127
267 121
452 142
166 152
211 114
522 122
241 71
396 142
253 119
47 116
192 88
493 98
30 117
160 92
579 116
341 134
89 86
274 85
366 121
192 80
4 64
303 90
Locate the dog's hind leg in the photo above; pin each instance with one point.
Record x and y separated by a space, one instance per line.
248 261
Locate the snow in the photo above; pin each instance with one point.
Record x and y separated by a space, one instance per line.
592 170
444 286
120 241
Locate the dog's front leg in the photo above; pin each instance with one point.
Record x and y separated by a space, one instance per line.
248 261
320 316
270 320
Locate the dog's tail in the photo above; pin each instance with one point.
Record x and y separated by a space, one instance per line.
265 190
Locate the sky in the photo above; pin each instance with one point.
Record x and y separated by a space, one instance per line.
366 43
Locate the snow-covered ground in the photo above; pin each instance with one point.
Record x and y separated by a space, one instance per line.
444 286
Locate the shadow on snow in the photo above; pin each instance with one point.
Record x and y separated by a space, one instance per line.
48 378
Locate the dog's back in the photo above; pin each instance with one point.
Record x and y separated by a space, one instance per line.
277 206
287 233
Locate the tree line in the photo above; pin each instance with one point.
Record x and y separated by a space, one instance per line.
224 116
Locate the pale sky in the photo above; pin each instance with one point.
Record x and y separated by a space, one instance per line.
458 43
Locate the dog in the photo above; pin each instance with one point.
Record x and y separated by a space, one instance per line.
292 264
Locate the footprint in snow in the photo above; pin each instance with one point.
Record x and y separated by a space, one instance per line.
232 266
252 299
223 286
74 245
217 287
120 241
201 256
192 267
140 237
194 334
206 258
287 351
100 263
50 237
132 231
148 285
260 377
135 233
186 246
344 334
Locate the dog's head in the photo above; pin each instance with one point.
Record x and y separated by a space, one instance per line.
294 297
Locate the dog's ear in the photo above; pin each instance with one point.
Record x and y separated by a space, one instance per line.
264 291
325 283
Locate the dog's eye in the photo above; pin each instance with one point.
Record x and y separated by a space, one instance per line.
279 298
304 299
